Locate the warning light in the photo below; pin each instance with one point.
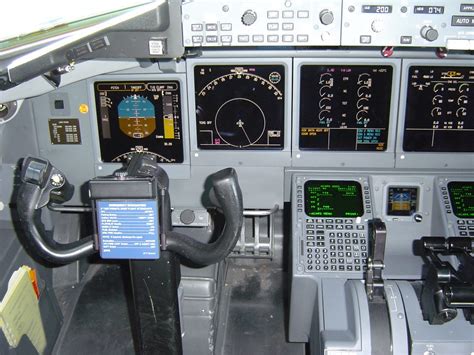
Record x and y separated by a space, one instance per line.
452 74
83 108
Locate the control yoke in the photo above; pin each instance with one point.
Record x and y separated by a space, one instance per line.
43 184
446 289
228 197
225 193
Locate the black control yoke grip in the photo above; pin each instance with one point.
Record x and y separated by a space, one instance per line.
226 191
42 183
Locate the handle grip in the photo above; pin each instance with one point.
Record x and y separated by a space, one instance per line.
42 183
228 197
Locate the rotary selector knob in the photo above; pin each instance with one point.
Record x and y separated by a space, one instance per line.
429 33
377 26
249 17
326 17
187 217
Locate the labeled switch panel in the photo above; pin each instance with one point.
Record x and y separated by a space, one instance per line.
424 23
211 23
409 24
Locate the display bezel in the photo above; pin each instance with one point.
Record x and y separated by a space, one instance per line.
426 160
444 135
358 159
271 158
106 149
247 98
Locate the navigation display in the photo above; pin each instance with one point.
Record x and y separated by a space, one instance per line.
139 117
440 107
461 194
345 108
402 201
333 199
240 106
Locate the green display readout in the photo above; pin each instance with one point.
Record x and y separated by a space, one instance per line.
333 199
461 194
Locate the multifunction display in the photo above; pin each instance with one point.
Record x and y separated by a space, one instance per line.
139 117
240 106
440 107
333 199
402 201
461 194
345 108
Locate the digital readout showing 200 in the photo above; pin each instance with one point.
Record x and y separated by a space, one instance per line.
377 9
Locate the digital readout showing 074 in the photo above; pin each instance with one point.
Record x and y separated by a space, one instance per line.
333 199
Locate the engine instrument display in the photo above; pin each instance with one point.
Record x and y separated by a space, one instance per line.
345 108
461 194
139 117
240 107
440 107
402 201
333 199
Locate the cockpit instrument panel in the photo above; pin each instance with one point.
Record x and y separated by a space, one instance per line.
344 107
240 106
461 194
439 109
139 117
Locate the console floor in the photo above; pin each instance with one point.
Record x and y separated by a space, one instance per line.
252 314
257 316
98 322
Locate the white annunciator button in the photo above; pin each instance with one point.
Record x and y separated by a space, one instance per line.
459 44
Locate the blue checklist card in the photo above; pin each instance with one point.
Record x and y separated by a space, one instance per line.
128 229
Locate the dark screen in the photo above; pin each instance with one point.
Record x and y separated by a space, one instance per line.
240 107
139 117
345 108
439 111
402 201
333 199
461 195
